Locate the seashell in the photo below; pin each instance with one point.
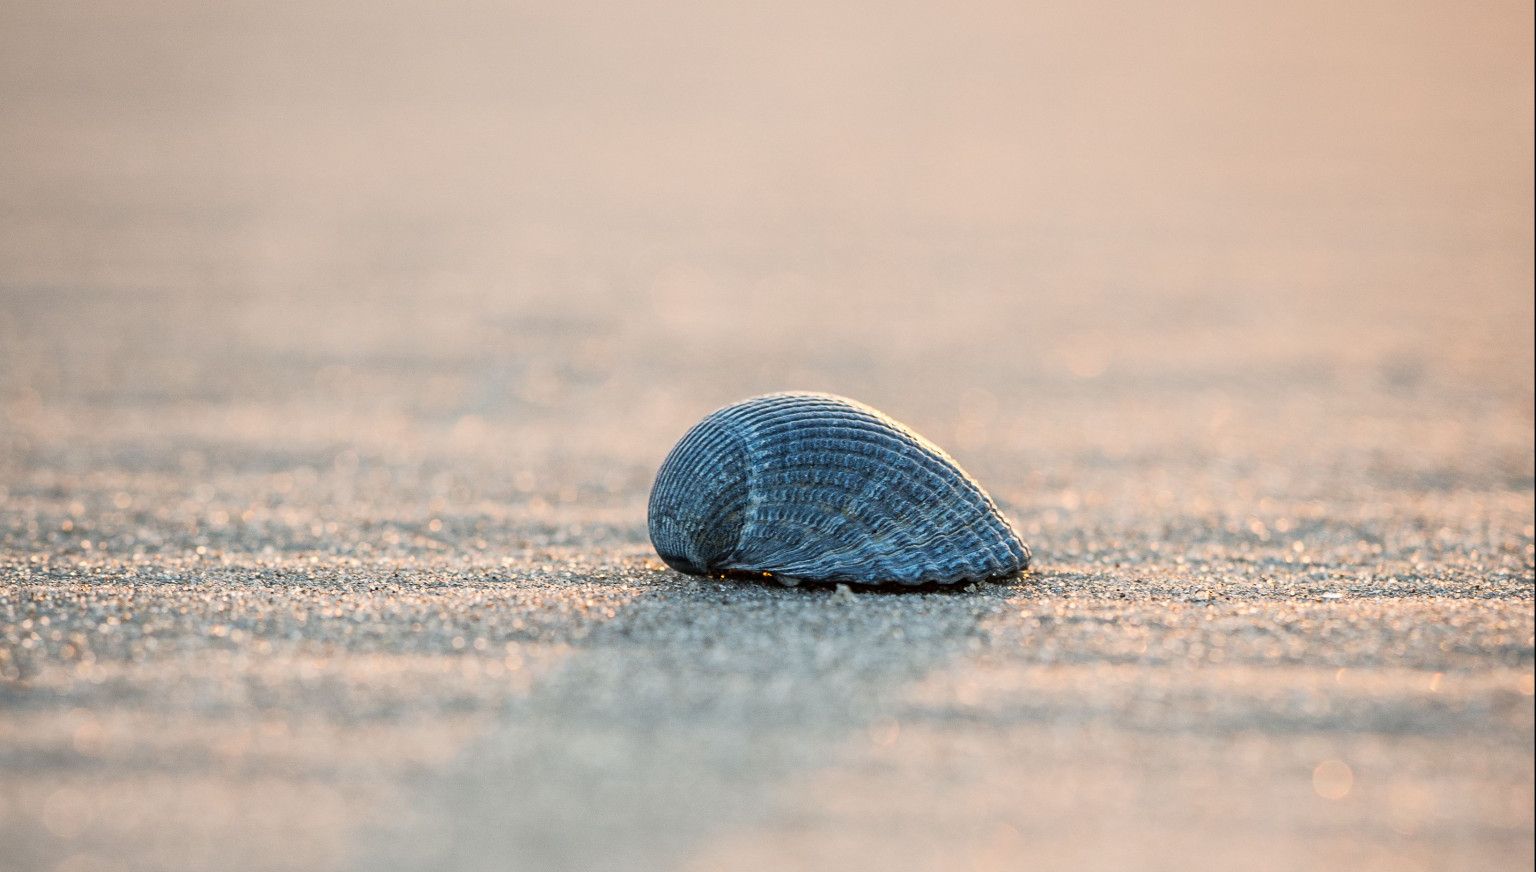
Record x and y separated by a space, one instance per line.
816 487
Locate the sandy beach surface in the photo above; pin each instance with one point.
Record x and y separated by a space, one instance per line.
339 344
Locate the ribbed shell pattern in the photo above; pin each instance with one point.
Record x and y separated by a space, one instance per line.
822 488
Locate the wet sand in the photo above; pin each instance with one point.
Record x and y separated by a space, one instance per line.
338 348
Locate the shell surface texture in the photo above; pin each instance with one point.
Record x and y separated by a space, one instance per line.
819 488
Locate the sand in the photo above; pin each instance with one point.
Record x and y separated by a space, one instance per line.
337 351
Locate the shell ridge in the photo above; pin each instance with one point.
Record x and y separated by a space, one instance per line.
884 539
885 438
917 490
935 459
707 441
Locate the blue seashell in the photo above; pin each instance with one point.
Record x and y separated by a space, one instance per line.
815 487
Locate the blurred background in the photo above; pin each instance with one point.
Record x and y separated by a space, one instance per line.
403 282
362 223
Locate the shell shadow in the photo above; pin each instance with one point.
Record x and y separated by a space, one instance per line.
681 716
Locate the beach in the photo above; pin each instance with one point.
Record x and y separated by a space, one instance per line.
339 347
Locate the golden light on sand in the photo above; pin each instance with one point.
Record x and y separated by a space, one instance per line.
1333 779
885 733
